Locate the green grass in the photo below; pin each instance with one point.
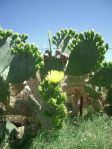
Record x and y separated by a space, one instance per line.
94 133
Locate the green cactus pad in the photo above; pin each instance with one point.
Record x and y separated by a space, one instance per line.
52 63
109 96
63 39
103 77
91 92
22 67
86 55
4 92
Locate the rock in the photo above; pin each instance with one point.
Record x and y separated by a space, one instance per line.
19 120
2 109
19 105
15 89
10 127
33 85
20 132
36 107
26 102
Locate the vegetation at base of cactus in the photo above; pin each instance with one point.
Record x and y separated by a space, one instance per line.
4 91
103 77
63 39
53 95
91 92
26 62
87 54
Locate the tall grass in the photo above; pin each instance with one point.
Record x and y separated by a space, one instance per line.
89 132
94 133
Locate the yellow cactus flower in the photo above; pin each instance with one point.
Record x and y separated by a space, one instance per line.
55 76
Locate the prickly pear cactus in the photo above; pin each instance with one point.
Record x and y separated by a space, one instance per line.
87 54
108 105
5 49
103 77
109 96
26 62
63 38
61 41
24 59
7 43
4 91
51 63
53 111
92 92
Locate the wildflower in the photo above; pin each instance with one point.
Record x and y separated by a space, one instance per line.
55 76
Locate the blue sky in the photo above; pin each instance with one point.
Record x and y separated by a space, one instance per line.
37 17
